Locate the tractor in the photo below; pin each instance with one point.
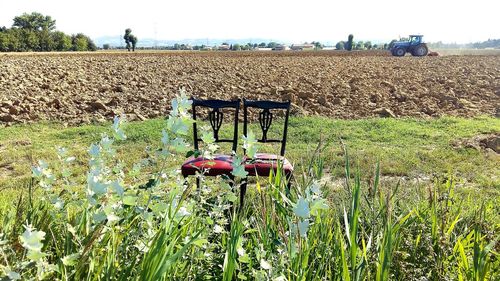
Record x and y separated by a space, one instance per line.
415 46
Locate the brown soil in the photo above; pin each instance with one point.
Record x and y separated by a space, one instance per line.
79 88
489 142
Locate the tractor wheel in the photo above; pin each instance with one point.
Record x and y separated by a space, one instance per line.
398 52
420 51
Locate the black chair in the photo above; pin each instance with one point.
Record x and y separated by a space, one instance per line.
221 164
263 163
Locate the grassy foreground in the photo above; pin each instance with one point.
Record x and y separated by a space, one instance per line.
412 148
99 217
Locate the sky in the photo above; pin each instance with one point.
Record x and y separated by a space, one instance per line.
459 21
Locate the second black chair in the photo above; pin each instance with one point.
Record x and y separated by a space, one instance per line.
264 163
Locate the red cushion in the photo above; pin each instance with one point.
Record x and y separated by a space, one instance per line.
263 163
220 165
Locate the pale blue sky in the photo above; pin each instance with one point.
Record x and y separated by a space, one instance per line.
292 21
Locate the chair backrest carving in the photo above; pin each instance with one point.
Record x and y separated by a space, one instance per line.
215 117
266 119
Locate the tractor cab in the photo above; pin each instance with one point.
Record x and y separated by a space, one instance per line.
415 39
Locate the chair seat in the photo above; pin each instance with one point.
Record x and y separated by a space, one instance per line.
220 165
263 163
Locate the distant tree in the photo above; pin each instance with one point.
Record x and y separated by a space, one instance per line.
360 45
236 47
29 40
126 37
91 46
105 46
368 45
375 46
272 45
15 44
130 39
81 42
490 43
36 32
317 45
46 41
262 45
4 41
133 40
34 21
340 45
62 42
10 41
348 45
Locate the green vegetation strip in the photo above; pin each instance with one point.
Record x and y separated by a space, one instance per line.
145 223
413 148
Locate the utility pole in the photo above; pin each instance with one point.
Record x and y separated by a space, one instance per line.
156 35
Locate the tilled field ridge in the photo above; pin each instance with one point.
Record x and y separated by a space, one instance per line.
81 88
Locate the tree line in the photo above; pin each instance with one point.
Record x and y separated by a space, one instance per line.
341 45
490 43
36 32
234 47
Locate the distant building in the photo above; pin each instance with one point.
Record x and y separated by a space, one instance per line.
263 49
302 47
281 47
224 47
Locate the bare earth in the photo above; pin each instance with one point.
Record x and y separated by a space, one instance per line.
81 88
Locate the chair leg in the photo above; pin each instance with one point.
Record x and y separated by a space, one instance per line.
230 213
198 187
231 209
289 183
186 184
243 191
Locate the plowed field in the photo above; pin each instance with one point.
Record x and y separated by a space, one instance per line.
80 88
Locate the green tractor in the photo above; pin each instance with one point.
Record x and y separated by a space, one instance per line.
415 46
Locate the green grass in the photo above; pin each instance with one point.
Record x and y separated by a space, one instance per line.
404 147
368 227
